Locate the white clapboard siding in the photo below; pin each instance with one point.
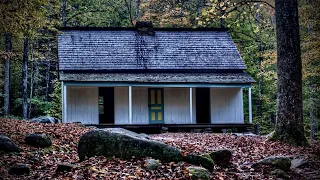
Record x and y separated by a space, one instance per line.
176 106
226 105
194 116
82 105
121 105
140 111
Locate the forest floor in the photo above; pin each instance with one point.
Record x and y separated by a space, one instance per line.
246 151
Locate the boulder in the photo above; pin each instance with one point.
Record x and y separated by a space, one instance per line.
38 140
200 161
126 132
65 167
300 160
164 130
124 144
144 135
198 173
278 162
19 169
279 174
221 157
7 145
46 119
196 130
208 130
152 164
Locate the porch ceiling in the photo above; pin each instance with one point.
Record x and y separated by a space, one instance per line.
211 78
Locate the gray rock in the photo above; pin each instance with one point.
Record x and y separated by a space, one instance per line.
65 167
221 157
198 173
208 130
124 144
38 140
144 135
126 132
224 131
46 119
298 162
152 164
269 136
7 145
279 174
196 130
279 162
202 160
19 169
92 127
164 129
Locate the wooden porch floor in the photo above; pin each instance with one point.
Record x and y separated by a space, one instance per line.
156 128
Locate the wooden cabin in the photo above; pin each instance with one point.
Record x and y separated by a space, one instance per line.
147 76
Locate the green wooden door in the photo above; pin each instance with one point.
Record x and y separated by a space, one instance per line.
155 104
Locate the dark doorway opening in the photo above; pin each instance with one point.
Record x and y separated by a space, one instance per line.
203 105
106 105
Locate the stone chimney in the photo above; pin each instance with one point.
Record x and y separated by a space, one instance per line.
145 28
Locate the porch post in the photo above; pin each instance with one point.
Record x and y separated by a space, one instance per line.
250 107
190 105
130 104
64 102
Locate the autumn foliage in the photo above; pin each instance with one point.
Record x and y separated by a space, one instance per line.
43 161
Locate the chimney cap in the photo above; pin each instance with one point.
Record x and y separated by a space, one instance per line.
145 28
140 24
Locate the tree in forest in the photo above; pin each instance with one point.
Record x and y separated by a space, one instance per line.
22 19
289 125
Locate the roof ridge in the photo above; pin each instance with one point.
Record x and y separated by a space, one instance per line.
135 29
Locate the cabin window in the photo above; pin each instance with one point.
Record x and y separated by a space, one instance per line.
101 105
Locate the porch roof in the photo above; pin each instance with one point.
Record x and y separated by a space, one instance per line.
211 78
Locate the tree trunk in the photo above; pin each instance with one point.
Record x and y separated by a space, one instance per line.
199 7
25 79
63 13
7 75
260 59
312 109
31 82
47 81
289 125
313 121
222 12
138 10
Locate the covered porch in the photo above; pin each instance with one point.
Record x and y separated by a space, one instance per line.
155 104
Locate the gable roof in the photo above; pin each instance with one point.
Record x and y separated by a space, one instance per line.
168 49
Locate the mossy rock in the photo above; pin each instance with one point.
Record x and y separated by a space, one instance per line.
206 156
279 162
152 164
124 145
197 173
19 169
221 157
7 145
200 161
280 174
38 140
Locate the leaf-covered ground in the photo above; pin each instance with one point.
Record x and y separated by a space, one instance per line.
43 162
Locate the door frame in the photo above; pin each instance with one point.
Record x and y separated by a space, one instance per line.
156 121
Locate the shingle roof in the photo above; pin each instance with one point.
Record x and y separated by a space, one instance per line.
217 78
123 49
